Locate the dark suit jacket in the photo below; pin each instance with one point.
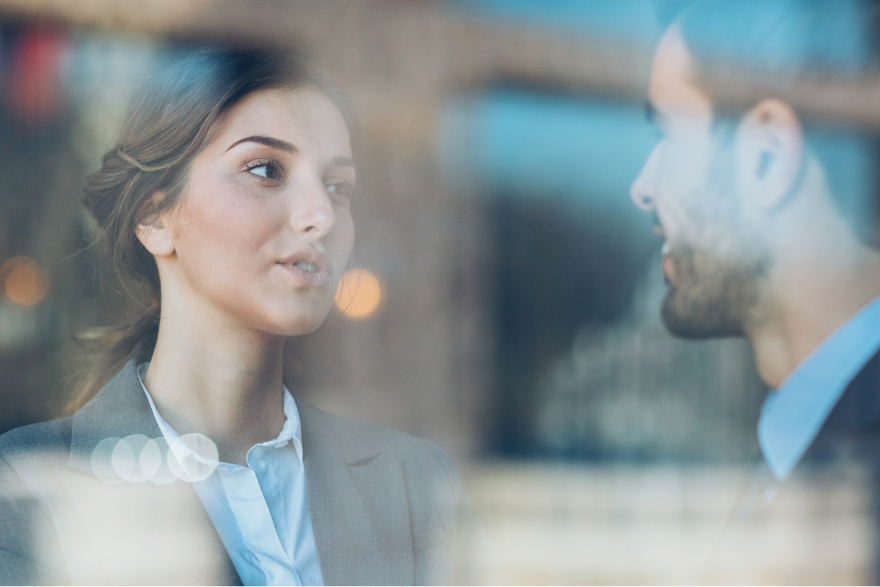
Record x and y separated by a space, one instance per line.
383 504
831 499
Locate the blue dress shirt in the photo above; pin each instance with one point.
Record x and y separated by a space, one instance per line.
260 510
792 416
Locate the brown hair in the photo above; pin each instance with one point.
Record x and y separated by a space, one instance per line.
167 124
787 40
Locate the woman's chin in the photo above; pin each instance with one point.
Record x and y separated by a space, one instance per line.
298 325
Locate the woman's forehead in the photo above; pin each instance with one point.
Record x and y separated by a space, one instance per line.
304 117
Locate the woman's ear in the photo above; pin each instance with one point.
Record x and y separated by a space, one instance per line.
770 154
154 232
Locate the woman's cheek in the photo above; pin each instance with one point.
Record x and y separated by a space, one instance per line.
245 222
220 247
345 234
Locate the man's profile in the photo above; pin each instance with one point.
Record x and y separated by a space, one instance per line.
768 220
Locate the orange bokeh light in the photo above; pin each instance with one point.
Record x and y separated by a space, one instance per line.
360 294
24 281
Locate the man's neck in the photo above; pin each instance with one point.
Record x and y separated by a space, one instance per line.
807 302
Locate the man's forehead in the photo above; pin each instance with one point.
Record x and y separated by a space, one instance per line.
672 90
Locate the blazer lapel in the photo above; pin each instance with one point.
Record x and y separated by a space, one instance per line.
358 504
121 409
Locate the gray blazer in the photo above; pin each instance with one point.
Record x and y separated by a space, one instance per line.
383 504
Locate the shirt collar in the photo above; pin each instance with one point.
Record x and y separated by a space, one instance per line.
792 416
291 432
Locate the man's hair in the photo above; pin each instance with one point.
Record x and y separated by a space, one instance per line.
791 40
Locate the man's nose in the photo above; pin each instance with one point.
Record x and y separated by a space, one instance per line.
643 190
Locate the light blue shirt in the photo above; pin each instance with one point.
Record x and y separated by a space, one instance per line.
260 510
793 415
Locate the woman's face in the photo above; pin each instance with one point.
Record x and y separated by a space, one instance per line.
264 229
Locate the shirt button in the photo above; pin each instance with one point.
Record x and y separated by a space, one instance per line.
259 452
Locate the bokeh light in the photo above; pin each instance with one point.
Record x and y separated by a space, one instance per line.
202 457
138 458
24 281
102 465
360 294
154 463
126 458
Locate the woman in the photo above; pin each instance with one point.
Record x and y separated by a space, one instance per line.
229 194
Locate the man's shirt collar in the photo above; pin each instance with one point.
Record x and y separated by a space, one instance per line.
792 416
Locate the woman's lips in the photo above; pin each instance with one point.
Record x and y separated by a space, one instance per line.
308 267
305 278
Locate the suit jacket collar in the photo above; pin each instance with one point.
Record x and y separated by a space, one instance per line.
321 426
793 416
358 500
121 409
358 503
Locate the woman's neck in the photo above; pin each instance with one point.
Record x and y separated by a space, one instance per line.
217 379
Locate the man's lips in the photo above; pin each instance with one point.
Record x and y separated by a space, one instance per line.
310 268
666 264
658 228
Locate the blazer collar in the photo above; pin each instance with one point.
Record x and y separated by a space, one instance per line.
323 429
358 503
357 499
120 409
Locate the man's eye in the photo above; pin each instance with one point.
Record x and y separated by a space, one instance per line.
342 188
266 170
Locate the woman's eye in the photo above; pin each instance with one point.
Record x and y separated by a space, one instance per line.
266 170
342 188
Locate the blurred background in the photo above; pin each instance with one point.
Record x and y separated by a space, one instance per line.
506 303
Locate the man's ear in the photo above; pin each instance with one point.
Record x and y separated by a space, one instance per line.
769 154
154 232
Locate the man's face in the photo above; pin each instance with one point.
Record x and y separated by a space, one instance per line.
711 262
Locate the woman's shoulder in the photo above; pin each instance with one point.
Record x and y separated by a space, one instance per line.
51 438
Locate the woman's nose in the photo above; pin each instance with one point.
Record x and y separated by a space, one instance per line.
643 191
312 210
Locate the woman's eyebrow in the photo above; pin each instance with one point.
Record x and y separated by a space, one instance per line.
268 141
342 161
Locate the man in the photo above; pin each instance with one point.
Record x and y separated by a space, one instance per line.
767 224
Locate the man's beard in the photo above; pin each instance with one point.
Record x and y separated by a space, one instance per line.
711 297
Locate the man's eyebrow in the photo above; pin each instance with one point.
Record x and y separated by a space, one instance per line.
268 141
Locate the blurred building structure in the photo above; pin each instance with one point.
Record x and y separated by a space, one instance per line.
400 62
518 325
